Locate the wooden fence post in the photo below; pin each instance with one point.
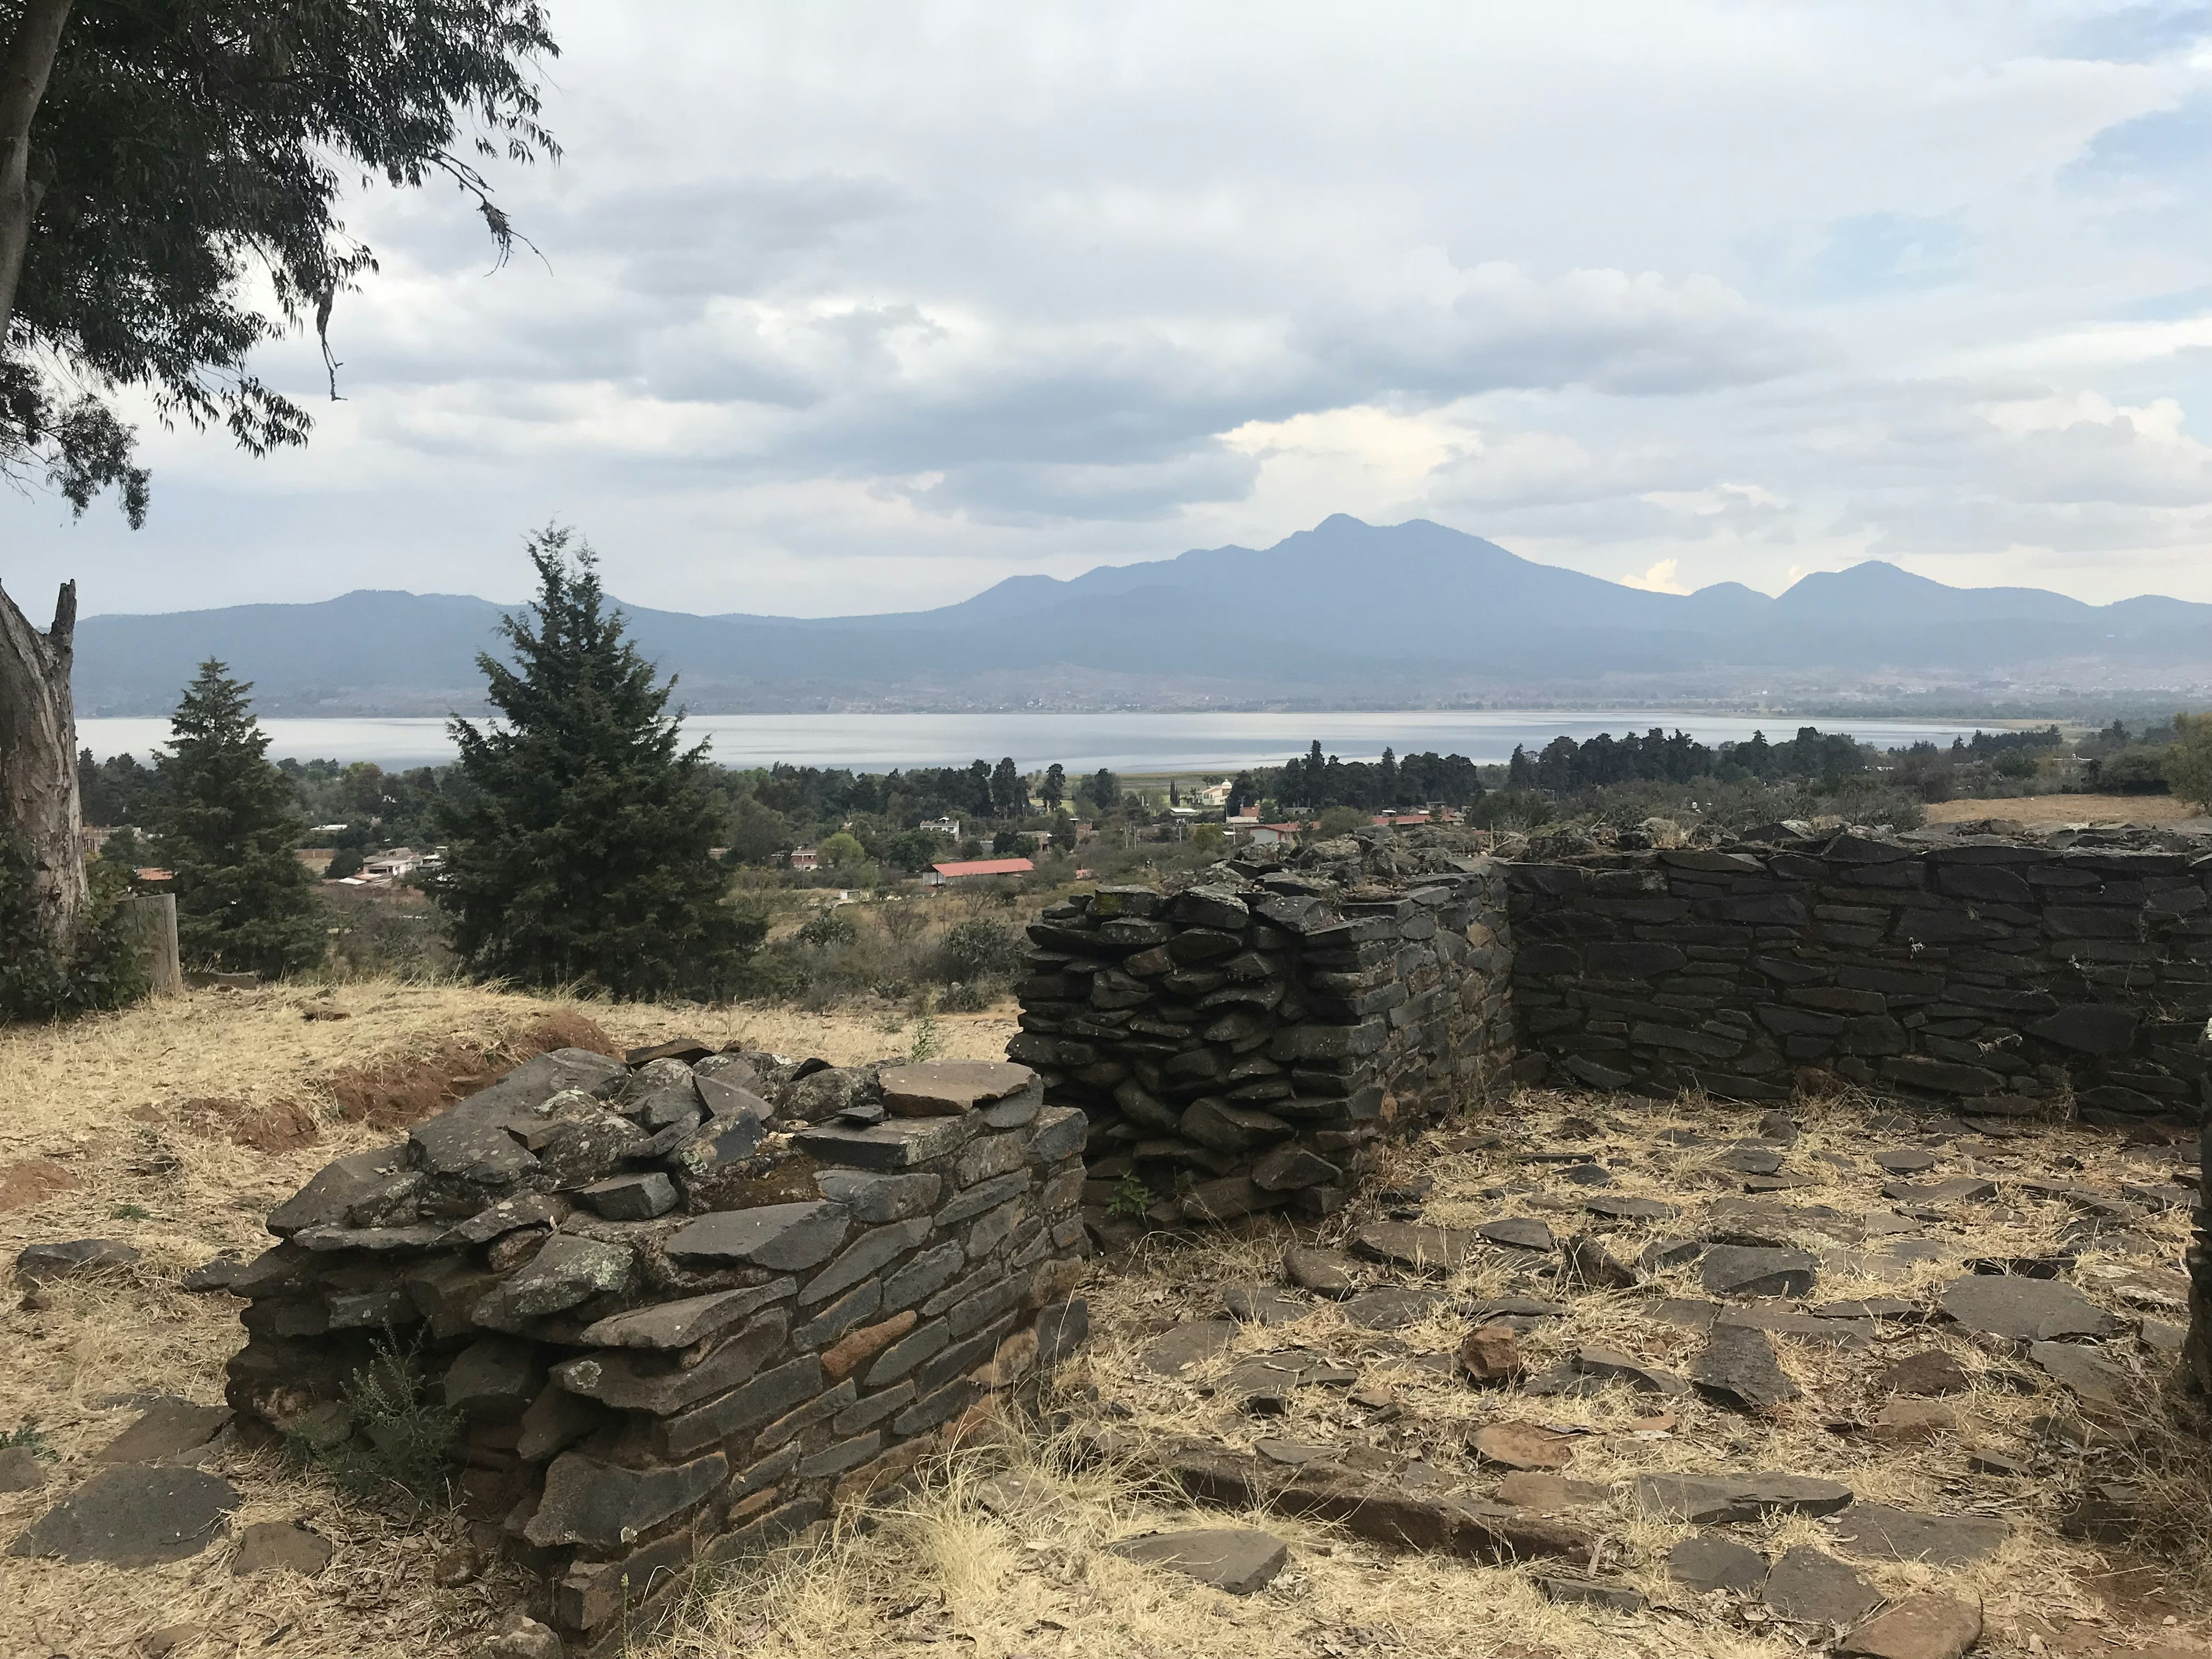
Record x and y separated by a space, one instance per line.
151 921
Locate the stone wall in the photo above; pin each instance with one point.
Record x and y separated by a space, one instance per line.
680 1308
2000 977
1238 1045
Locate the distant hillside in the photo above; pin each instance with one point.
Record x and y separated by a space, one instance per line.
1344 615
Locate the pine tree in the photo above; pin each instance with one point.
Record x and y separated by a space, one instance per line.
228 829
579 849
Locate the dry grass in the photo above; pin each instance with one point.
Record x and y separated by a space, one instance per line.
112 1104
2046 811
940 1569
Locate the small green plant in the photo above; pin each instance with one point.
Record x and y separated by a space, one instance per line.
401 1440
1132 1198
928 1041
31 1437
129 1212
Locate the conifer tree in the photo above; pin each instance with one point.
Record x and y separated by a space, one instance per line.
580 846
229 831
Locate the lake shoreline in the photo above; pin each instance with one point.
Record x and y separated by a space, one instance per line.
1139 744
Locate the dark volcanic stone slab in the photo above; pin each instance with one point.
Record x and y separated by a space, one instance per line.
2024 1309
1264 1305
1619 1207
1237 1560
1703 1563
1815 1588
1410 1244
1392 1307
1520 1232
1883 1532
1738 1367
1177 1350
1743 1270
133 1516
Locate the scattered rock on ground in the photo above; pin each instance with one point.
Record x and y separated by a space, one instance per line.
278 1545
1183 1345
1325 1273
2093 1380
1491 1353
1748 1270
1930 1372
133 1516
1529 1489
1522 1445
1814 1588
1264 1305
1882 1532
166 1428
20 1470
37 1263
1705 1563
1238 1559
1926 1626
1393 1307
1592 1593
1738 1366
522 1638
2024 1309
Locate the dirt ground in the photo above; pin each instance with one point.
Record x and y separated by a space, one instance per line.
2047 811
970 1565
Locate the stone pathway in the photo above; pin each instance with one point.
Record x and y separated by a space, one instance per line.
1814 1373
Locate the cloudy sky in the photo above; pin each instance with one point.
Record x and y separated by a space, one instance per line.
852 307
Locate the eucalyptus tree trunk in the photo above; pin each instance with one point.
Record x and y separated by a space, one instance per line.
38 764
38 724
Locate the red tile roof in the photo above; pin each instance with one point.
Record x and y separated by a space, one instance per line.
985 867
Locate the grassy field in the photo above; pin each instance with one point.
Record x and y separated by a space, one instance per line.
2046 811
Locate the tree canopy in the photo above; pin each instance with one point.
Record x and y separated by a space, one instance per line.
580 848
183 171
229 831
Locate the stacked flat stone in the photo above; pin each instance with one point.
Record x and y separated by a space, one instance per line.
2197 1350
682 1310
1997 976
1239 1045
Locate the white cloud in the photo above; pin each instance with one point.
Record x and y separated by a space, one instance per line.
858 305
1663 577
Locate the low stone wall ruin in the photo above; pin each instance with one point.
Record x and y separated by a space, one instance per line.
680 1309
1239 1045
1996 977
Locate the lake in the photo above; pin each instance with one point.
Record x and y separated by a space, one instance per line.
1135 743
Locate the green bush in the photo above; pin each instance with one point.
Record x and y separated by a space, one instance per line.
1340 821
980 948
828 925
103 971
2133 771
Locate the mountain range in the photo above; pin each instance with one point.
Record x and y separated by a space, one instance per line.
1346 614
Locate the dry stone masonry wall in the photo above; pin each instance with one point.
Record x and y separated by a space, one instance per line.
685 1308
1998 977
1239 1045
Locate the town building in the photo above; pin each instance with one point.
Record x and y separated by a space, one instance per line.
944 875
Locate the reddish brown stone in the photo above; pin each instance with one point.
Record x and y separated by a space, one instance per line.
855 1351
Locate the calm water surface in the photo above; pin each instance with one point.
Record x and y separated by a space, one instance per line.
1081 743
